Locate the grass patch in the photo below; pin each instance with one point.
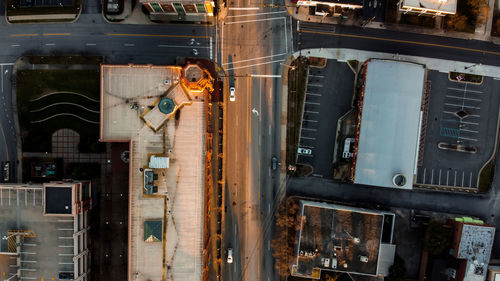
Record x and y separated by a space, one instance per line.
52 10
36 137
65 59
486 176
465 77
296 92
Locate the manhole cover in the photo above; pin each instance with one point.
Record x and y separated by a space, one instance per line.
461 114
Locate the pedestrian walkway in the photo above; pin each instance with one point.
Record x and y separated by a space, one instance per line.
42 17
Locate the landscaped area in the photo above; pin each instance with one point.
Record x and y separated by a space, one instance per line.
49 100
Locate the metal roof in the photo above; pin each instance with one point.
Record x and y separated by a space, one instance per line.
390 123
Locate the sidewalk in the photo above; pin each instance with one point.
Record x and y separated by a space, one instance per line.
482 33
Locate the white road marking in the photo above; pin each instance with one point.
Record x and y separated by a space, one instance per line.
309 120
66 255
459 105
464 98
70 229
470 131
463 176
447 176
180 46
246 66
50 44
211 48
307 146
308 129
455 181
313 103
29 278
470 123
29 261
462 90
425 169
453 113
258 14
28 253
128 45
66 246
15 45
315 85
66 263
432 176
30 245
269 129
439 180
27 269
470 179
90 44
65 237
316 76
243 8
311 94
245 21
308 138
469 139
65 220
313 112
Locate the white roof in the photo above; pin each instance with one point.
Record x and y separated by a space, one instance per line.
389 131
449 6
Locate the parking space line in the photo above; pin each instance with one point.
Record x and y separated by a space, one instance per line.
470 179
462 90
432 176
470 131
463 177
65 237
65 220
313 112
463 98
307 146
460 105
29 261
66 263
307 138
66 255
313 103
316 76
425 169
453 113
313 94
447 176
70 229
470 123
29 278
307 155
27 269
28 253
469 139
309 129
30 245
315 85
439 181
66 246
455 181
309 120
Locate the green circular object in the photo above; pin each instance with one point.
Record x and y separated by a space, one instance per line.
166 105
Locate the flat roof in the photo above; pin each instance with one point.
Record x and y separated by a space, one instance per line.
348 237
331 2
475 246
22 208
449 6
58 200
126 91
390 123
179 202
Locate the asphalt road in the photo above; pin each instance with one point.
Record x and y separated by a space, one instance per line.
252 42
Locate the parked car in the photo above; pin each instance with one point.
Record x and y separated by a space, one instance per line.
274 163
6 171
232 94
230 255
66 276
305 151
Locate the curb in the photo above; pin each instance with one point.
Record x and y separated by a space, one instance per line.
19 149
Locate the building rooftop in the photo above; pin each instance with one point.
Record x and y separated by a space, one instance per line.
340 238
390 123
476 242
357 3
444 6
58 200
166 222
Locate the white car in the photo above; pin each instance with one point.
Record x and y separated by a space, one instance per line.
230 255
232 95
302 150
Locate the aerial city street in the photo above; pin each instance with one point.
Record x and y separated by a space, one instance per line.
248 140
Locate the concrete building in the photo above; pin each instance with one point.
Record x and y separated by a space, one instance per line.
44 230
472 244
388 125
343 239
185 10
428 7
333 7
163 117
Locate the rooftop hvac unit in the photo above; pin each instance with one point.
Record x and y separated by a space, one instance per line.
363 259
334 263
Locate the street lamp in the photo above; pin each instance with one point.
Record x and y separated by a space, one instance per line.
467 67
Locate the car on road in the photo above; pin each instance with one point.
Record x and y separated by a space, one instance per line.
6 171
274 163
305 151
66 276
230 255
232 94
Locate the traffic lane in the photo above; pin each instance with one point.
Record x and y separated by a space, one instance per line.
388 45
7 129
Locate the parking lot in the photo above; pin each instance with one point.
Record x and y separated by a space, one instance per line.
50 251
463 114
328 96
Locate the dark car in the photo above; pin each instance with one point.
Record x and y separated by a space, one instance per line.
274 163
66 276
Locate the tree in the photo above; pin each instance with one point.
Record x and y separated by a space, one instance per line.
397 271
479 9
457 22
283 243
437 238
